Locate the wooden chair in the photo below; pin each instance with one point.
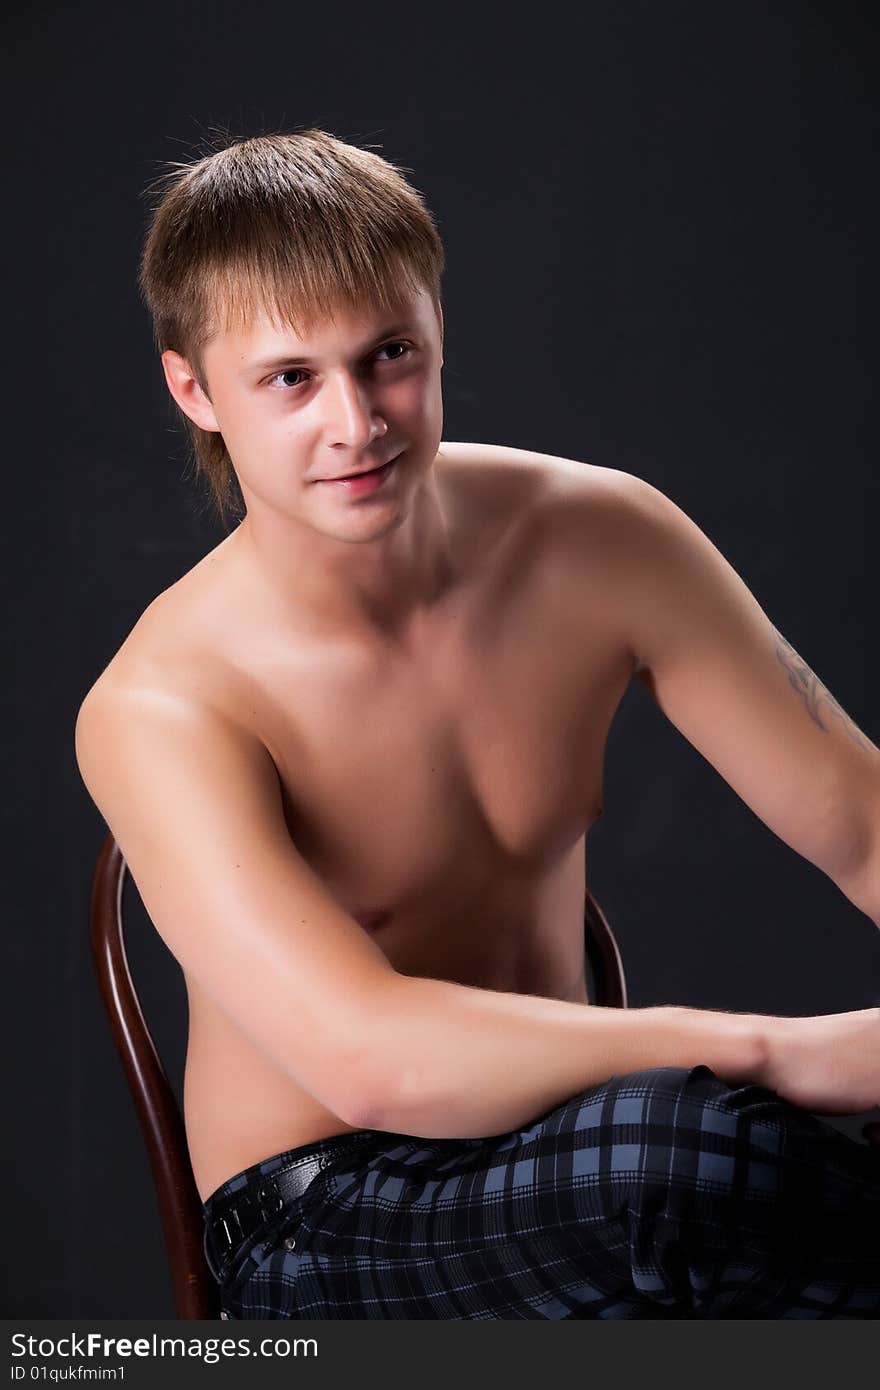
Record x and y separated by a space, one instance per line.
196 1293
195 1290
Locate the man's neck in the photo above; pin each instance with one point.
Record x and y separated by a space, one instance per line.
377 589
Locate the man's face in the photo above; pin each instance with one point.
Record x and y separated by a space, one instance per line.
298 413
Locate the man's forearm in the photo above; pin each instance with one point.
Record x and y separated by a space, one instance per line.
457 1062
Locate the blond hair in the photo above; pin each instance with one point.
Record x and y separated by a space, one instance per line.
295 224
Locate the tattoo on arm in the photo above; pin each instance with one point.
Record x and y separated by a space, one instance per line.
817 699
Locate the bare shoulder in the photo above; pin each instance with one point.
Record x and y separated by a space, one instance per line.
600 539
583 511
178 646
146 706
552 479
159 723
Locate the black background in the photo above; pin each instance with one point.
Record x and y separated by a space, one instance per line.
661 224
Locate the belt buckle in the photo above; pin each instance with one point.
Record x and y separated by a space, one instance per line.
236 1221
220 1240
265 1193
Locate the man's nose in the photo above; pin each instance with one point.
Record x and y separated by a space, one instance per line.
351 418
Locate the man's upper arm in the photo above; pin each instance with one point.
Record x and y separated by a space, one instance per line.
195 806
738 691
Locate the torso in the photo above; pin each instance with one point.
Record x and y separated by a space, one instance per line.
443 795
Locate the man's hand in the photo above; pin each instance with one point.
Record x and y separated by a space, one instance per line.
829 1063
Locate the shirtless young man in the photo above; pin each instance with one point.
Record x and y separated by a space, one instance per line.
351 758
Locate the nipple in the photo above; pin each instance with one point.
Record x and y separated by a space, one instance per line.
371 919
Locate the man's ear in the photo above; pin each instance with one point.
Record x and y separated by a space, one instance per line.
186 390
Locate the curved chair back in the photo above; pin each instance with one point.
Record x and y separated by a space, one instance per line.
195 1290
196 1293
603 957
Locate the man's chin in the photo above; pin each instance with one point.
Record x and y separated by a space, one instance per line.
358 527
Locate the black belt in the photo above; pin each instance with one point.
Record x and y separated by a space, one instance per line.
238 1215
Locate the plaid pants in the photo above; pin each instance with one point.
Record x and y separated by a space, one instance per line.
663 1193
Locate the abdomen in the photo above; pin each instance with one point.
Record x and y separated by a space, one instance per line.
239 1107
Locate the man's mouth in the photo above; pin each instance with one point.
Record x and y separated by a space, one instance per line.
361 473
367 480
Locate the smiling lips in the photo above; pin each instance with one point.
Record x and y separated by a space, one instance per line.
343 477
368 480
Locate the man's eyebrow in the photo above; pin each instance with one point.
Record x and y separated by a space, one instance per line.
291 359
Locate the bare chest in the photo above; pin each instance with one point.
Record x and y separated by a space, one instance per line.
443 795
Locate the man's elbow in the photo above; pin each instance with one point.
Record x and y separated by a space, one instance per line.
370 1075
368 1100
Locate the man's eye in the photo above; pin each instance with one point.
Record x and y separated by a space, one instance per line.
291 371
388 346
298 371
